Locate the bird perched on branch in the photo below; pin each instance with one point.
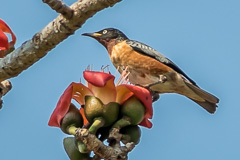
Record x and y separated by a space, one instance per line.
150 69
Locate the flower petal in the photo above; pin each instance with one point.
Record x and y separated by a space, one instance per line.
142 94
76 91
3 41
102 85
79 92
98 79
61 108
146 123
123 93
5 28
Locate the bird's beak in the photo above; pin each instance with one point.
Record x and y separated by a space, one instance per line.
94 35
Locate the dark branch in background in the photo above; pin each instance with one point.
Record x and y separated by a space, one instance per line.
114 152
45 40
60 7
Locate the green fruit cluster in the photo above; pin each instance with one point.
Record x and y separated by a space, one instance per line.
125 117
102 119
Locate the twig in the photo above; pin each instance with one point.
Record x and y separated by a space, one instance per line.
51 35
60 7
101 150
5 86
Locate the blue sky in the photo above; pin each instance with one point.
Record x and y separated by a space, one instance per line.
201 37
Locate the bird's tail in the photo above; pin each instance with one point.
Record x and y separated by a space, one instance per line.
210 103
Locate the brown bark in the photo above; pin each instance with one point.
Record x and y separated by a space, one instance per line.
113 152
60 7
5 86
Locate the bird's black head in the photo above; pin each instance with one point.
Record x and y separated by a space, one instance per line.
106 35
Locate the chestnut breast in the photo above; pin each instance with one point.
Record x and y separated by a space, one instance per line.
123 55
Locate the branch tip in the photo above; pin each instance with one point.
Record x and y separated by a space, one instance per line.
5 87
60 7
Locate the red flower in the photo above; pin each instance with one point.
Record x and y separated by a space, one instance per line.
101 85
4 43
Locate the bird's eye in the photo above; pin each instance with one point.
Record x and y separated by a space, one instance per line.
104 31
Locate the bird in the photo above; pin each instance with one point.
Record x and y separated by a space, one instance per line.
150 69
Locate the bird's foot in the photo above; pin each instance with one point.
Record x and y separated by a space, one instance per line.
155 96
162 79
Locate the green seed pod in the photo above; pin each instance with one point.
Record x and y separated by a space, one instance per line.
134 110
72 118
94 108
130 134
72 151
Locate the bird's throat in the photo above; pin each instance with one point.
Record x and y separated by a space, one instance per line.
109 46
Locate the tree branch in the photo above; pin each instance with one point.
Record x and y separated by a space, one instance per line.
60 7
115 152
45 40
5 86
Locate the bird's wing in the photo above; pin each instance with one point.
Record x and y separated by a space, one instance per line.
148 51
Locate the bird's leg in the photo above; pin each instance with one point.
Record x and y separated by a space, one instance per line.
155 95
162 79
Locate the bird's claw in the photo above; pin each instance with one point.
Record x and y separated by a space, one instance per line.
162 79
155 96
